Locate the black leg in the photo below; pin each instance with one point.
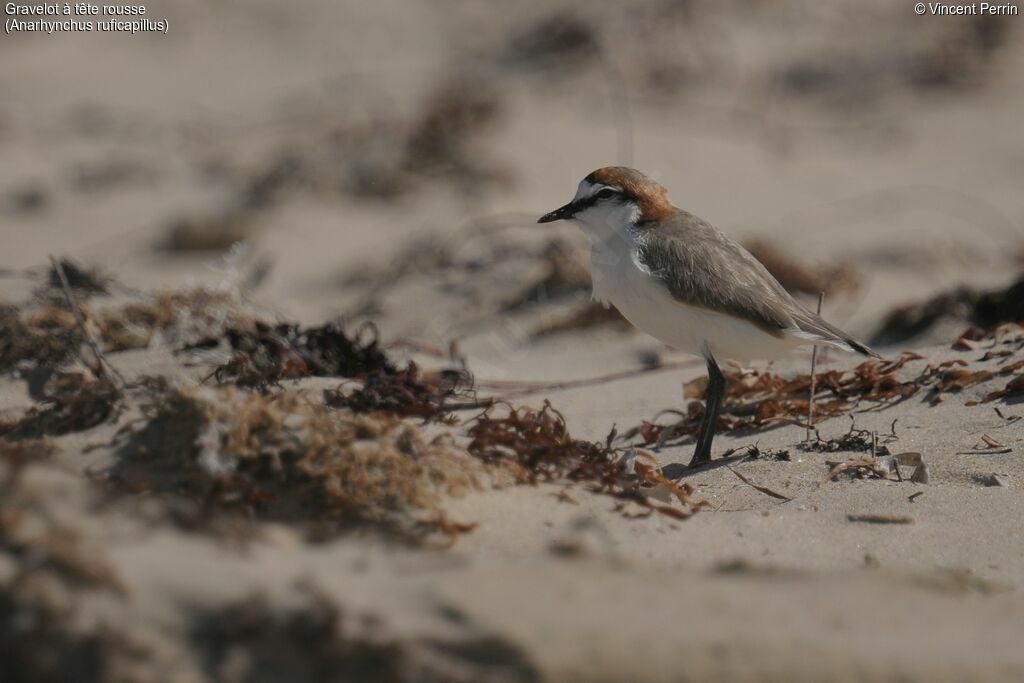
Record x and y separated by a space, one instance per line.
712 406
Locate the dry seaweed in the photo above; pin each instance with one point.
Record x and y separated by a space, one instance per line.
72 402
861 467
408 393
180 318
282 457
758 399
763 489
537 444
83 280
874 518
540 444
881 466
755 452
49 335
100 367
856 440
1014 389
46 336
985 310
1007 335
266 354
451 530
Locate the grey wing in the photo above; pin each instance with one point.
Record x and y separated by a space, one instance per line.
702 267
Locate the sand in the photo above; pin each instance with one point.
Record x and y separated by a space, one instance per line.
886 164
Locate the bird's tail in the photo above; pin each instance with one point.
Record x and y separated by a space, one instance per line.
815 328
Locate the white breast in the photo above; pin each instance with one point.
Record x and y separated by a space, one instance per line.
618 278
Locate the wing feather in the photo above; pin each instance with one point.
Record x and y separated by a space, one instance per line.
702 267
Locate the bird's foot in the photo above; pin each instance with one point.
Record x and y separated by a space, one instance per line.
701 456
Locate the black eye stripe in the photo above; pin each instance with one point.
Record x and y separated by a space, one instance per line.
587 202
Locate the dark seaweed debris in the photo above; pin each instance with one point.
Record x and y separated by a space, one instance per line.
49 334
985 309
280 456
538 444
539 441
72 402
44 337
406 393
80 279
761 399
267 354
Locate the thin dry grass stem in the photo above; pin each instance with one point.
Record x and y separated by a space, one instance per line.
763 489
103 369
814 362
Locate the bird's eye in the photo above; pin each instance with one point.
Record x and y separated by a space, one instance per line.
606 193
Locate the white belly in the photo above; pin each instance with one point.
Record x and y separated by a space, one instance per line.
645 302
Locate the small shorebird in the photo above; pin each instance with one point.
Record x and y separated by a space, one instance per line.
683 281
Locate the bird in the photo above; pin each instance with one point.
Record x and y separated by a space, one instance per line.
687 284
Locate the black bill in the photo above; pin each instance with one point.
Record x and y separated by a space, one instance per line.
561 214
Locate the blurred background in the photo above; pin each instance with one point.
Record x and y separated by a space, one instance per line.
357 148
385 162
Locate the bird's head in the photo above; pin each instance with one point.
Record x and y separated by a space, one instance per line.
614 198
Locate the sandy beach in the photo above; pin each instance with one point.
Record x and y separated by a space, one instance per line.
294 388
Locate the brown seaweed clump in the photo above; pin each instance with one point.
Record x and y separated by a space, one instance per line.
45 336
72 402
409 393
48 334
757 399
985 311
263 354
286 458
538 447
178 318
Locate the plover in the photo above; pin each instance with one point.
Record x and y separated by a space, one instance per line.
684 282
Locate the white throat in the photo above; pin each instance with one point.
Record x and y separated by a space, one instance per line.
609 222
